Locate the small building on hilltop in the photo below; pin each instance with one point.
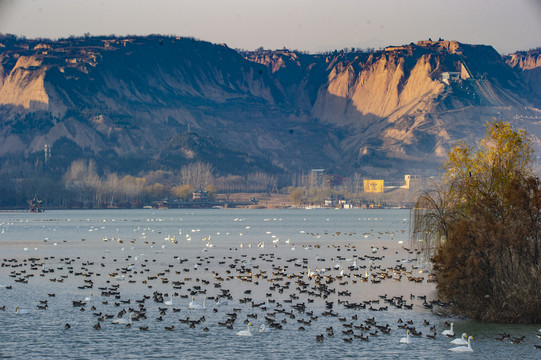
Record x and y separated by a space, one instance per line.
448 76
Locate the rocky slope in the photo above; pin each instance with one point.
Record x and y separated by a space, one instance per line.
395 105
528 64
143 103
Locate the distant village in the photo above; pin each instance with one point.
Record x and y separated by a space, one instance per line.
375 194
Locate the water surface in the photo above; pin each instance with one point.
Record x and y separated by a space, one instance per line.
125 247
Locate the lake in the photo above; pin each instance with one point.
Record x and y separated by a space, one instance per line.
297 270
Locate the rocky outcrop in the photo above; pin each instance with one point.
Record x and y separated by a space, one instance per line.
528 64
25 86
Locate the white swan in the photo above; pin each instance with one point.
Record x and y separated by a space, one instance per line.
21 311
464 348
194 305
263 328
169 302
89 297
246 332
123 321
462 341
407 339
449 332
221 302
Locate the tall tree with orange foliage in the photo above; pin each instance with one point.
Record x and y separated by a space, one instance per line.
482 228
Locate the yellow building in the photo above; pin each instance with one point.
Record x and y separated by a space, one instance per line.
373 186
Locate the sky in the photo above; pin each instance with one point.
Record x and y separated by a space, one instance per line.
307 25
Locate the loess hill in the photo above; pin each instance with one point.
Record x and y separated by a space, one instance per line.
137 104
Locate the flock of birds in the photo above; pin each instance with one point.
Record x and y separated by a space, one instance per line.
464 341
294 292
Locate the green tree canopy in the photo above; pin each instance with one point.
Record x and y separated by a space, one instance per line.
482 227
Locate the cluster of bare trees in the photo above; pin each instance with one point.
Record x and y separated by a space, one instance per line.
85 187
253 182
197 174
353 184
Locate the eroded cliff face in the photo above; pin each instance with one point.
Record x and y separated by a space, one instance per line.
406 104
380 87
528 64
25 86
130 95
381 113
386 97
525 60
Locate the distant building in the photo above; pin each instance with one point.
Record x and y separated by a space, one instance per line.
35 204
317 178
373 186
200 195
449 76
163 204
412 181
334 200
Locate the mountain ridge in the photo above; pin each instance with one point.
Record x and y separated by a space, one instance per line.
378 114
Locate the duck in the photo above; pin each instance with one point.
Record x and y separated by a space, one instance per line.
464 348
462 341
407 339
449 332
246 332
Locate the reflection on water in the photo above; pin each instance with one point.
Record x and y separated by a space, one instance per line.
198 253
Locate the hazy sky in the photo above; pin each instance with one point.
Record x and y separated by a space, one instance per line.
312 25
